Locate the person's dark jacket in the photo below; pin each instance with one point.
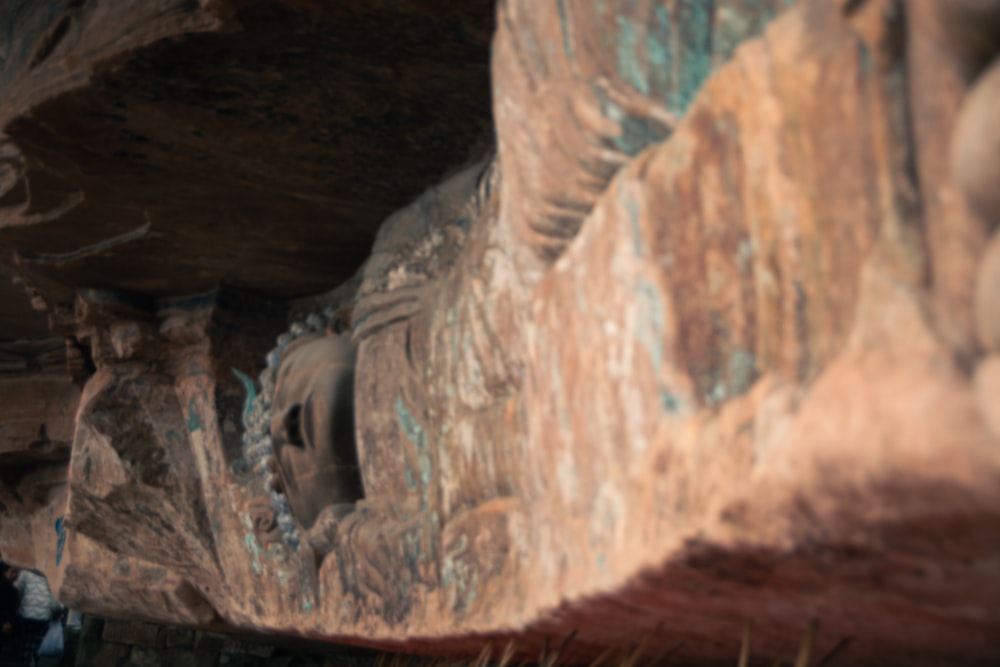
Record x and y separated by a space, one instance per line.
9 600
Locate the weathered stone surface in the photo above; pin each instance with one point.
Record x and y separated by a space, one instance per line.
37 408
702 342
987 384
181 638
134 633
247 648
253 144
987 297
939 68
208 642
36 416
977 144
107 655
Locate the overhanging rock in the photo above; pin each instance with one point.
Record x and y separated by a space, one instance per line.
708 338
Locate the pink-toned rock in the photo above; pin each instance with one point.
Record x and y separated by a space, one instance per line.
944 53
988 297
696 346
976 148
36 413
987 384
968 29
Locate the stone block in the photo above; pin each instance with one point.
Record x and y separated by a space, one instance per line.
671 358
209 641
240 647
133 633
147 657
104 655
189 658
178 637
241 660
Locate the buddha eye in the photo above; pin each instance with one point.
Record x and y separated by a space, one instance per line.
293 426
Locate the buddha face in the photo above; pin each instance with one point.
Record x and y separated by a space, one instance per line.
312 426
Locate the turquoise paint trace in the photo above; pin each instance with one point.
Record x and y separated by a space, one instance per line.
668 401
415 433
670 59
692 57
193 420
567 35
658 45
651 328
249 387
254 548
632 208
60 527
637 133
742 369
630 65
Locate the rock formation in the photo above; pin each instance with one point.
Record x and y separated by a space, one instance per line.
698 327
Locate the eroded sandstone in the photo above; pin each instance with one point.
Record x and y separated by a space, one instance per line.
707 338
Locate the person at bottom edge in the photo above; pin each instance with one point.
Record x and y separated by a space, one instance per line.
36 609
9 602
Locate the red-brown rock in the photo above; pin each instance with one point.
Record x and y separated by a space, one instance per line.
708 340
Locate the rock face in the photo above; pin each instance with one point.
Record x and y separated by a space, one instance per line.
708 338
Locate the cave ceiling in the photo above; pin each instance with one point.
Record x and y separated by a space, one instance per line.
256 145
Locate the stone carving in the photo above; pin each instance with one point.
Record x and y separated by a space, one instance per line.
312 426
712 323
264 519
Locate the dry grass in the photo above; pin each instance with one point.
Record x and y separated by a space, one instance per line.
637 656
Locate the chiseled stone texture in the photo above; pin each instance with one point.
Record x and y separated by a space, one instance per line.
708 340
